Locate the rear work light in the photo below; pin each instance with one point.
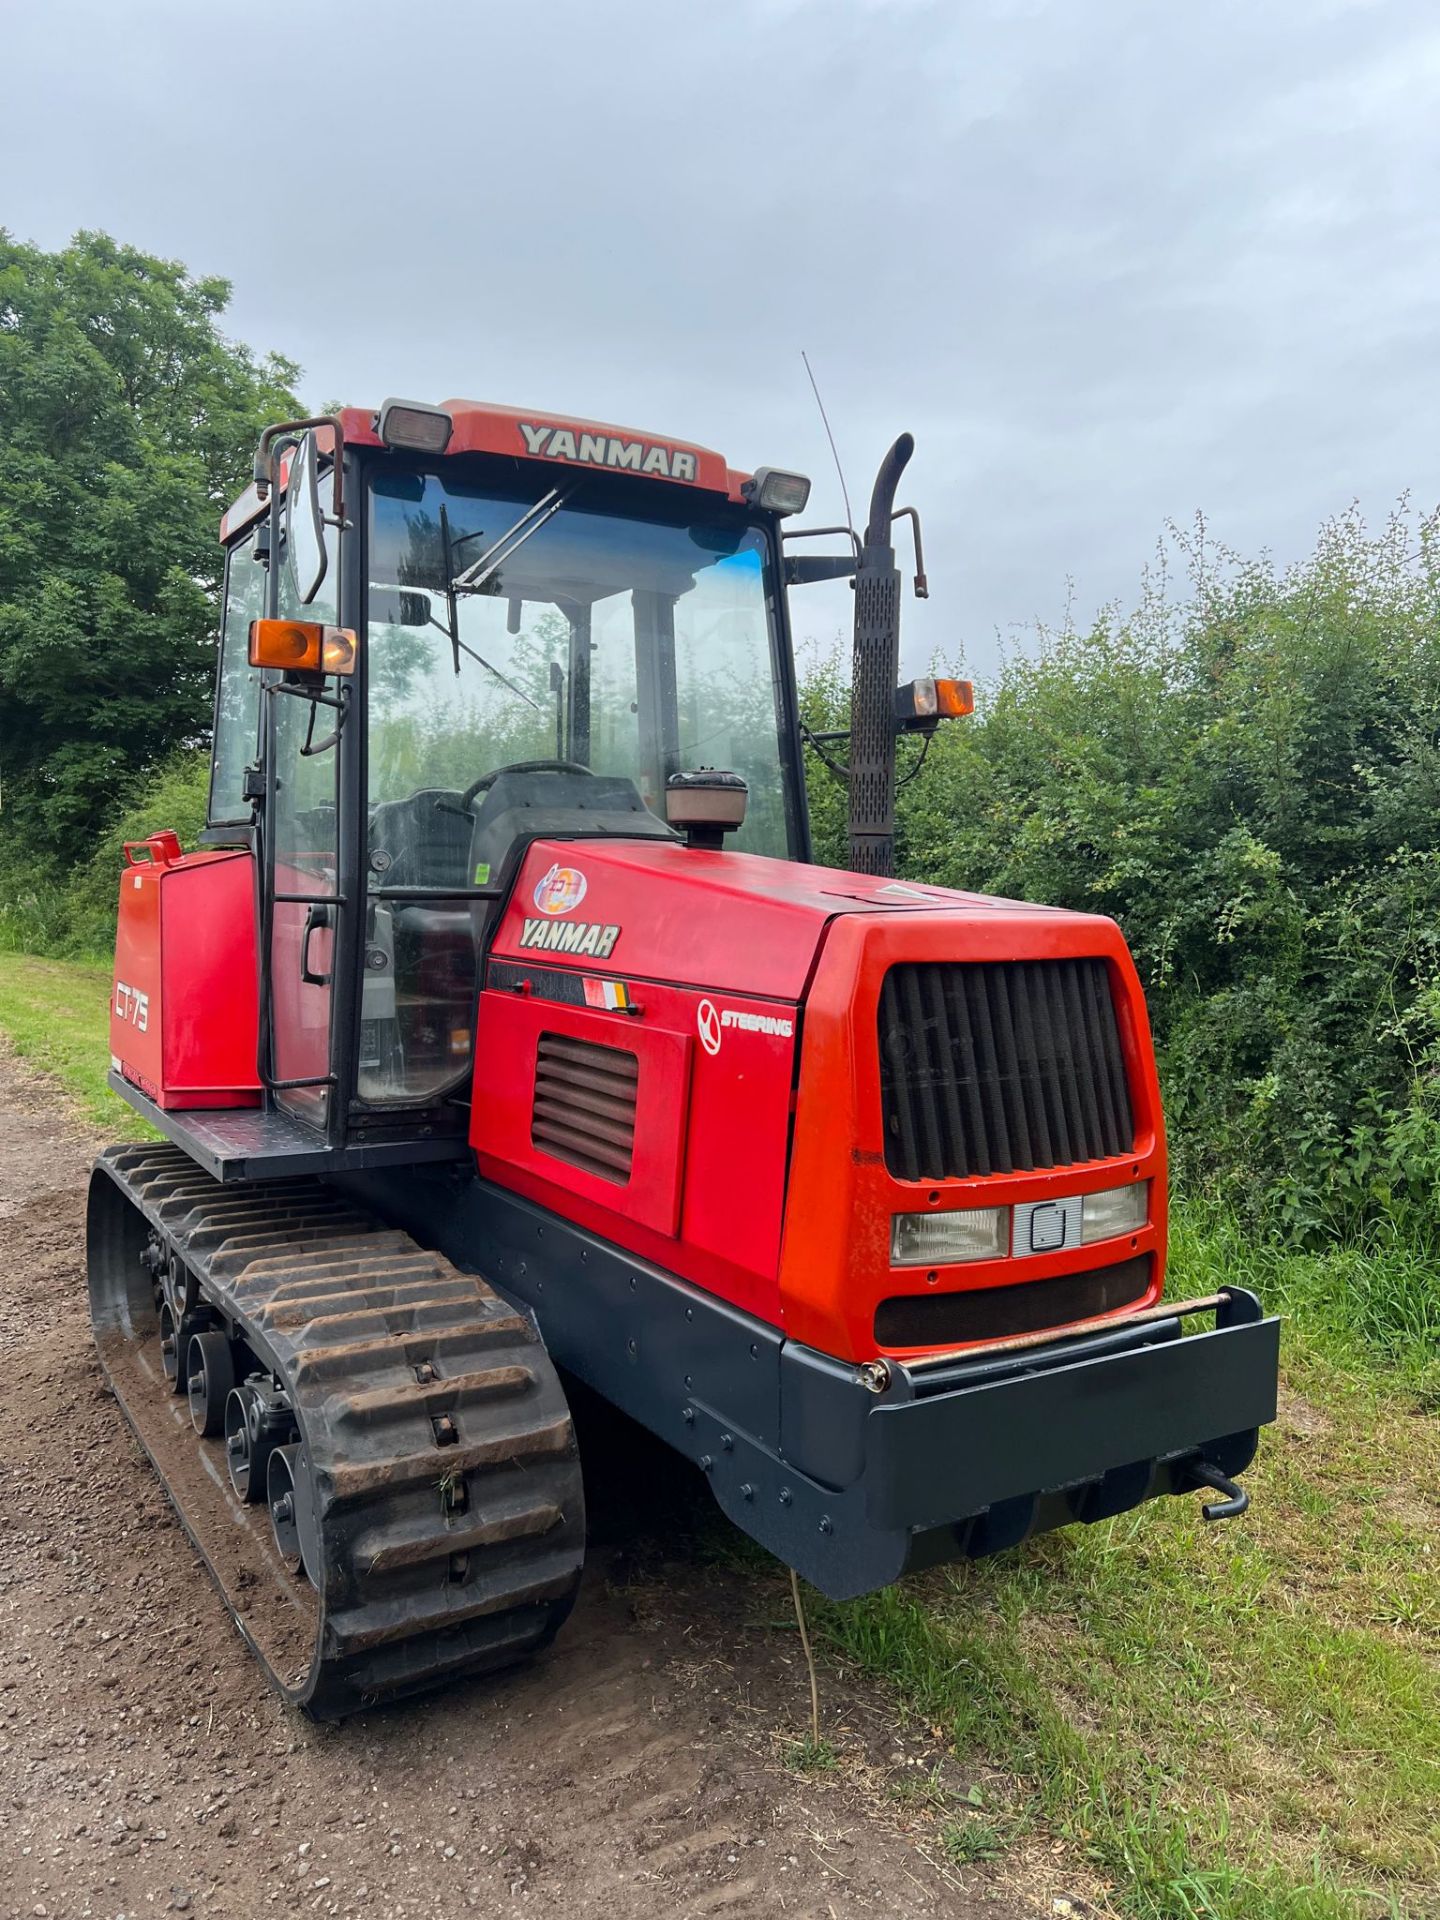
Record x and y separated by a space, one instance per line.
940 1239
413 425
302 646
1115 1211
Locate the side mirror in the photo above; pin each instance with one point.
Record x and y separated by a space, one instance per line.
304 521
920 705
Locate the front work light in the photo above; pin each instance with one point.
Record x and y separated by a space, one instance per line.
302 646
777 492
939 1239
412 425
1115 1211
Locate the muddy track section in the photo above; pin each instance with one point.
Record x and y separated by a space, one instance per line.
404 1375
637 1769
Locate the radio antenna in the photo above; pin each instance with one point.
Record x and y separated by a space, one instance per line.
834 452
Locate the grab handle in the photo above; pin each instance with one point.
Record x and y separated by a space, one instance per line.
158 851
317 919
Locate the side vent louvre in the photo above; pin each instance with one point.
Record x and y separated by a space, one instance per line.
585 1105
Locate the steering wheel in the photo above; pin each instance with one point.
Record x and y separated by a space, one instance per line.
467 799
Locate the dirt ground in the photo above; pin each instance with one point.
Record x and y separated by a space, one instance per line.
638 1769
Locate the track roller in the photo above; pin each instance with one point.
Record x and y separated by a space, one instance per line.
209 1378
256 1421
292 1511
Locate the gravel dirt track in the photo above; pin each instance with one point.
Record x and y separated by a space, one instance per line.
638 1769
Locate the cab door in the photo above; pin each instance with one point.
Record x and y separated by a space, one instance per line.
302 886
304 727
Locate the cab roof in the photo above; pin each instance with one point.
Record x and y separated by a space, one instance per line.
547 439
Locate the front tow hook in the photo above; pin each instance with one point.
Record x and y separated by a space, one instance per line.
1236 1500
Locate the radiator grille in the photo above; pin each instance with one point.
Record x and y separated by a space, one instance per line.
585 1104
999 1066
994 1313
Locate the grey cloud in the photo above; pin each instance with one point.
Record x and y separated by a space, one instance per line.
1110 262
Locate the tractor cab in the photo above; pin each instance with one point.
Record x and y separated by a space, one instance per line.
449 631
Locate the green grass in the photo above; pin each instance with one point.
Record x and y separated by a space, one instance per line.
810 1756
1241 1721
56 1015
1372 1304
1229 1723
972 1837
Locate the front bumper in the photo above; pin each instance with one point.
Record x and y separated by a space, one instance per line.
962 1460
853 1487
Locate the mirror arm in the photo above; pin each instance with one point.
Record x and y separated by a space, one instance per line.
804 569
819 533
266 470
922 585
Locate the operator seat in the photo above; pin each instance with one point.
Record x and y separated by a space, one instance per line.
527 804
430 948
425 838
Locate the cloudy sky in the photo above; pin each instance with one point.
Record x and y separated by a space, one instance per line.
1110 262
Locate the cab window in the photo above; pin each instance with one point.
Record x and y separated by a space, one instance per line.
237 696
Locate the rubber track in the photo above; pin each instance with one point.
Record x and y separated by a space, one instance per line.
413 1385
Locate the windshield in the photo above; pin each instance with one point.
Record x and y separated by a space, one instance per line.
633 647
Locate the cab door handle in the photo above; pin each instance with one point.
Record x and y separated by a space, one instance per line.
318 917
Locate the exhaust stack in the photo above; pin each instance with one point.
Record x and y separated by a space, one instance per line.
875 671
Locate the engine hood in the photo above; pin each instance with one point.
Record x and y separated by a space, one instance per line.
730 922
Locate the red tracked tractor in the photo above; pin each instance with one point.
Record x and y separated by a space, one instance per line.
500 1033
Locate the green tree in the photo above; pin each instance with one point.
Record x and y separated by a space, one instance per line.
127 421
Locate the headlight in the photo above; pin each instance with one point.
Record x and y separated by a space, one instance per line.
1105 1216
938 1239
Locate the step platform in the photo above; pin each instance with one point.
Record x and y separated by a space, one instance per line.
256 1143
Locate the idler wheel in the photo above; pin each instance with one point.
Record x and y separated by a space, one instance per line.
209 1379
292 1511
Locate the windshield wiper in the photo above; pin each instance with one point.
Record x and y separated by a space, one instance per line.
452 629
477 576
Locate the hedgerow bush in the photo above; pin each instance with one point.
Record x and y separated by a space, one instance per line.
43 910
1245 773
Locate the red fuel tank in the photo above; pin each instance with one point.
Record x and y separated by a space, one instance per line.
183 1017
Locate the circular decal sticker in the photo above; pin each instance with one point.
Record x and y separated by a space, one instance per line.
560 890
708 1021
